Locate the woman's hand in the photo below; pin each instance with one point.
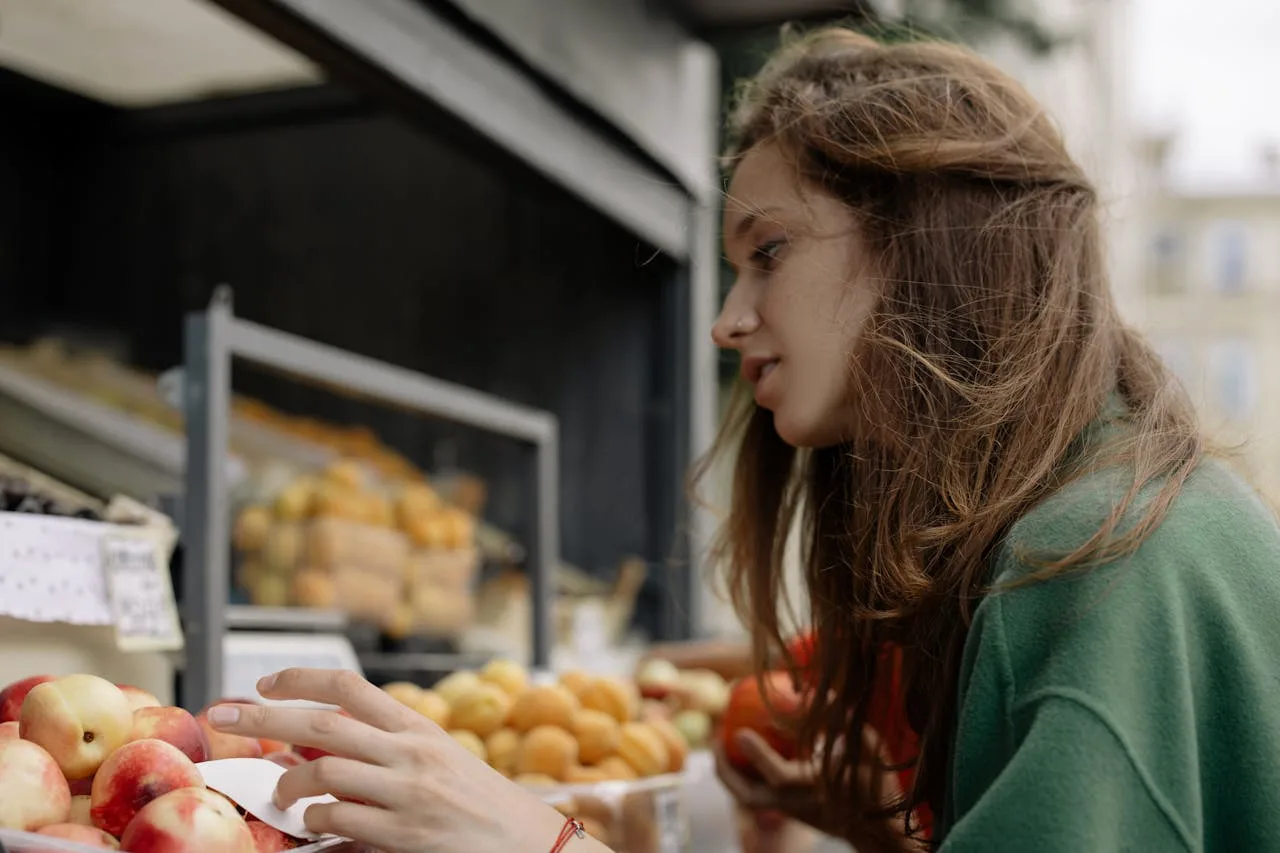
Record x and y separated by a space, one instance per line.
789 787
406 786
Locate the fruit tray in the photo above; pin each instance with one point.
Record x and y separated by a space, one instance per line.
642 816
28 842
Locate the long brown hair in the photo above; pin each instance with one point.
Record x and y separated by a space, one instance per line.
995 345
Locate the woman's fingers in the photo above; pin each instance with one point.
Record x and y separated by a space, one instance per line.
325 730
345 689
779 772
345 779
374 827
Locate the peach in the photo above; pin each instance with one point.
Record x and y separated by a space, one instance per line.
269 746
548 751
80 806
644 749
613 696
134 775
188 820
597 735
482 710
508 675
226 745
174 726
79 720
550 705
286 758
138 698
87 835
268 839
9 731
657 678
11 697
33 792
82 787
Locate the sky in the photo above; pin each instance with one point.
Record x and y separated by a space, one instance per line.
1210 71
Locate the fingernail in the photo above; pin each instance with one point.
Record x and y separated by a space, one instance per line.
224 715
266 683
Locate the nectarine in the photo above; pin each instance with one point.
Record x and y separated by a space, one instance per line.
134 775
77 719
188 820
11 697
33 791
174 726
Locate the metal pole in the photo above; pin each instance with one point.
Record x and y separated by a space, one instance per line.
544 550
206 569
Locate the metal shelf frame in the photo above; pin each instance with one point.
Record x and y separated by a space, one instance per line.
214 337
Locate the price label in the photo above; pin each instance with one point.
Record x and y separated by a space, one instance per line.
670 819
140 593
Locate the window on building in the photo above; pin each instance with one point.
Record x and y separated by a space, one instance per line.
1235 378
1229 258
1179 356
1167 260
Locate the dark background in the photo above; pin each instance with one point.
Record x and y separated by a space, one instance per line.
335 220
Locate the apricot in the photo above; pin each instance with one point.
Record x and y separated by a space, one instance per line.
597 735
643 748
547 750
613 696
482 710
677 746
471 742
508 675
502 747
550 705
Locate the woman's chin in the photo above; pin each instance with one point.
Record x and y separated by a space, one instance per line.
805 433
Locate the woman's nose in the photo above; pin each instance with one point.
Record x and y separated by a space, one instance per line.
734 323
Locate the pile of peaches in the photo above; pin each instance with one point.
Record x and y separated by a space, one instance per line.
107 766
579 730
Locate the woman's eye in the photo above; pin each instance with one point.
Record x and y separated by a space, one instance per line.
765 255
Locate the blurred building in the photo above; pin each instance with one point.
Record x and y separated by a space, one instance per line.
1211 286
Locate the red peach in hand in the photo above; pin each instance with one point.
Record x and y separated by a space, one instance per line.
174 726
79 720
138 698
33 791
134 775
189 820
269 839
87 835
8 731
11 698
224 745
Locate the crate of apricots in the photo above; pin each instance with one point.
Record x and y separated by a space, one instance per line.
394 555
584 743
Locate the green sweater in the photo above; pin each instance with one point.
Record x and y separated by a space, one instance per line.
1132 707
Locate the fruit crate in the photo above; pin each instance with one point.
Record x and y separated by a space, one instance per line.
12 841
641 816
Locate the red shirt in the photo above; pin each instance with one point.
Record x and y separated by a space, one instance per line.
886 713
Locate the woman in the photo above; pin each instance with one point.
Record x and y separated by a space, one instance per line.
995 477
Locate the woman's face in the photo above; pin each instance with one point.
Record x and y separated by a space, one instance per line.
799 300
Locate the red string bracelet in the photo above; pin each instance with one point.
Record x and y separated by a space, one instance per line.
572 828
